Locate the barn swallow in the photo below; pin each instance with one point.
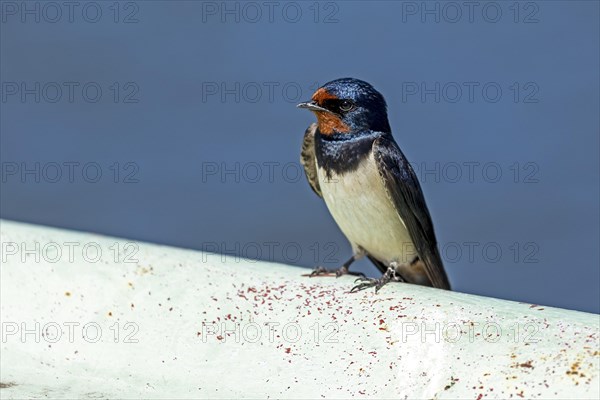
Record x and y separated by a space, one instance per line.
353 163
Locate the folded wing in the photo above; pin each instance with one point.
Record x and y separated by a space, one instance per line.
404 191
308 159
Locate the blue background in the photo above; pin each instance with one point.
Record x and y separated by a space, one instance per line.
182 132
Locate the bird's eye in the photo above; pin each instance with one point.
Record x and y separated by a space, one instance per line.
346 105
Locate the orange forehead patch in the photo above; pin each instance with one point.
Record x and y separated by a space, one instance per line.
321 95
328 123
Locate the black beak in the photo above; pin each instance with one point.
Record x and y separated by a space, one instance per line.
312 106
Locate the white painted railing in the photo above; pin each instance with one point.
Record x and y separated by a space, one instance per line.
89 316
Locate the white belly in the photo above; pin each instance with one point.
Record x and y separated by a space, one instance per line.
360 206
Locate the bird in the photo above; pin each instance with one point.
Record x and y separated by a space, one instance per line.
353 163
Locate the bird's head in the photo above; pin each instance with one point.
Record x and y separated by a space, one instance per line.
348 106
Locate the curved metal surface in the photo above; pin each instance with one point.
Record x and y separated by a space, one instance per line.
143 320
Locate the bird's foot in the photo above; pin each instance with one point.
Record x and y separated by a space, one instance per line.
389 276
343 270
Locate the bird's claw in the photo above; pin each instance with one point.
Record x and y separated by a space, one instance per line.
368 283
319 271
389 276
338 272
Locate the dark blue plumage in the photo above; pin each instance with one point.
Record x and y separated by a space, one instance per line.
343 153
370 109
